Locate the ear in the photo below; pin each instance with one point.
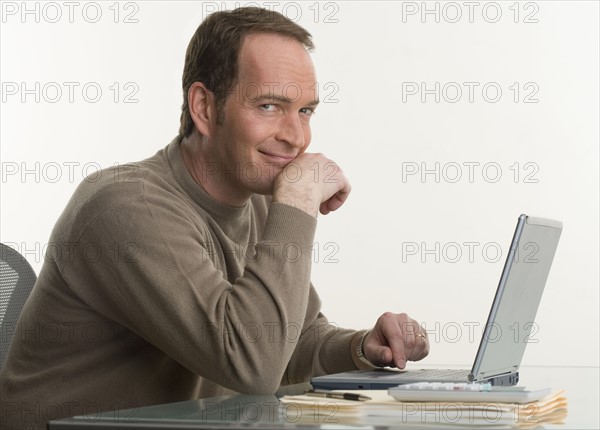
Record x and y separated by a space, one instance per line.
203 109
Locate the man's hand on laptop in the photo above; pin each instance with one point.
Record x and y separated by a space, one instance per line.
395 339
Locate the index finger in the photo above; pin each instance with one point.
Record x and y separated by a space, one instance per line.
338 199
394 336
334 202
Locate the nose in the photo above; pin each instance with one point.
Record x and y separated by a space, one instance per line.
291 130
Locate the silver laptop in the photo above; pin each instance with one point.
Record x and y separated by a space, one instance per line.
509 325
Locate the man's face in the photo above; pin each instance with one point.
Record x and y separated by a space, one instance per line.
267 115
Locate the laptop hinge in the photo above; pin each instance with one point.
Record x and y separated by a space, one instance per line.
508 379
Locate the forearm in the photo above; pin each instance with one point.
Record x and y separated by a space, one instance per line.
324 348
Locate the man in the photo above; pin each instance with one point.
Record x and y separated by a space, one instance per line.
187 275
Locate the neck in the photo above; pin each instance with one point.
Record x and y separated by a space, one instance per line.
205 169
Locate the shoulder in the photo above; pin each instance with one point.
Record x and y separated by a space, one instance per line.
123 192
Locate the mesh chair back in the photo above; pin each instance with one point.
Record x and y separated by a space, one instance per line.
16 281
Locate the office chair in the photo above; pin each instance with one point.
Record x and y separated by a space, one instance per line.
16 281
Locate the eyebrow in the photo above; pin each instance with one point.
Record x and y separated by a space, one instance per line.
282 99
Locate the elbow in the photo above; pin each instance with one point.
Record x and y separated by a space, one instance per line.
259 371
256 362
260 380
263 385
257 384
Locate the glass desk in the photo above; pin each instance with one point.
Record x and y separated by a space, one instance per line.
250 411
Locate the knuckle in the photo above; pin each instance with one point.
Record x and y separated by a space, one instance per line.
412 325
387 316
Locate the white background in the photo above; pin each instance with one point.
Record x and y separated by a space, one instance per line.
368 56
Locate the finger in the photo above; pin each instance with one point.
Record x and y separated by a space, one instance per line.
423 349
411 337
338 186
330 205
338 199
383 355
424 352
376 349
394 337
420 348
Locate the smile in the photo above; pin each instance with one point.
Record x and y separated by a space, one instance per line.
278 157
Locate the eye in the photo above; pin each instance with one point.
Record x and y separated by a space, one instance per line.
308 111
268 107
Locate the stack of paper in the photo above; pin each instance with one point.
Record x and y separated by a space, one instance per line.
385 410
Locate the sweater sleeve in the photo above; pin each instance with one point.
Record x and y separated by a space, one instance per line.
149 268
323 348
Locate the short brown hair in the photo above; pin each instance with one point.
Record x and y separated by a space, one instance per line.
212 55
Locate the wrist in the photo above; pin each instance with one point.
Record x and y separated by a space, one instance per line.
299 199
360 351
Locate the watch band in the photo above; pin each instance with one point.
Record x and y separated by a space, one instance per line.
360 351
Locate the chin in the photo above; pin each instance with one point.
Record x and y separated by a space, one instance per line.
263 188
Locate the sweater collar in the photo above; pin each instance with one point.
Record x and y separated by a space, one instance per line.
195 190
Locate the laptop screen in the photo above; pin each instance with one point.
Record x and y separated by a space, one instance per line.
511 322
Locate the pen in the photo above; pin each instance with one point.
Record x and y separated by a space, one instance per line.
335 395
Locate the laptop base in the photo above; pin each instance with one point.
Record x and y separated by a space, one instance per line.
380 379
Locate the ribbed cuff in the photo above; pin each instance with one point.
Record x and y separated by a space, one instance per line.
287 224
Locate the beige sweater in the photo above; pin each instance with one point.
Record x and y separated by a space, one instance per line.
153 292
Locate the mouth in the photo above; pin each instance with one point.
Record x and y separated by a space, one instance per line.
276 157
